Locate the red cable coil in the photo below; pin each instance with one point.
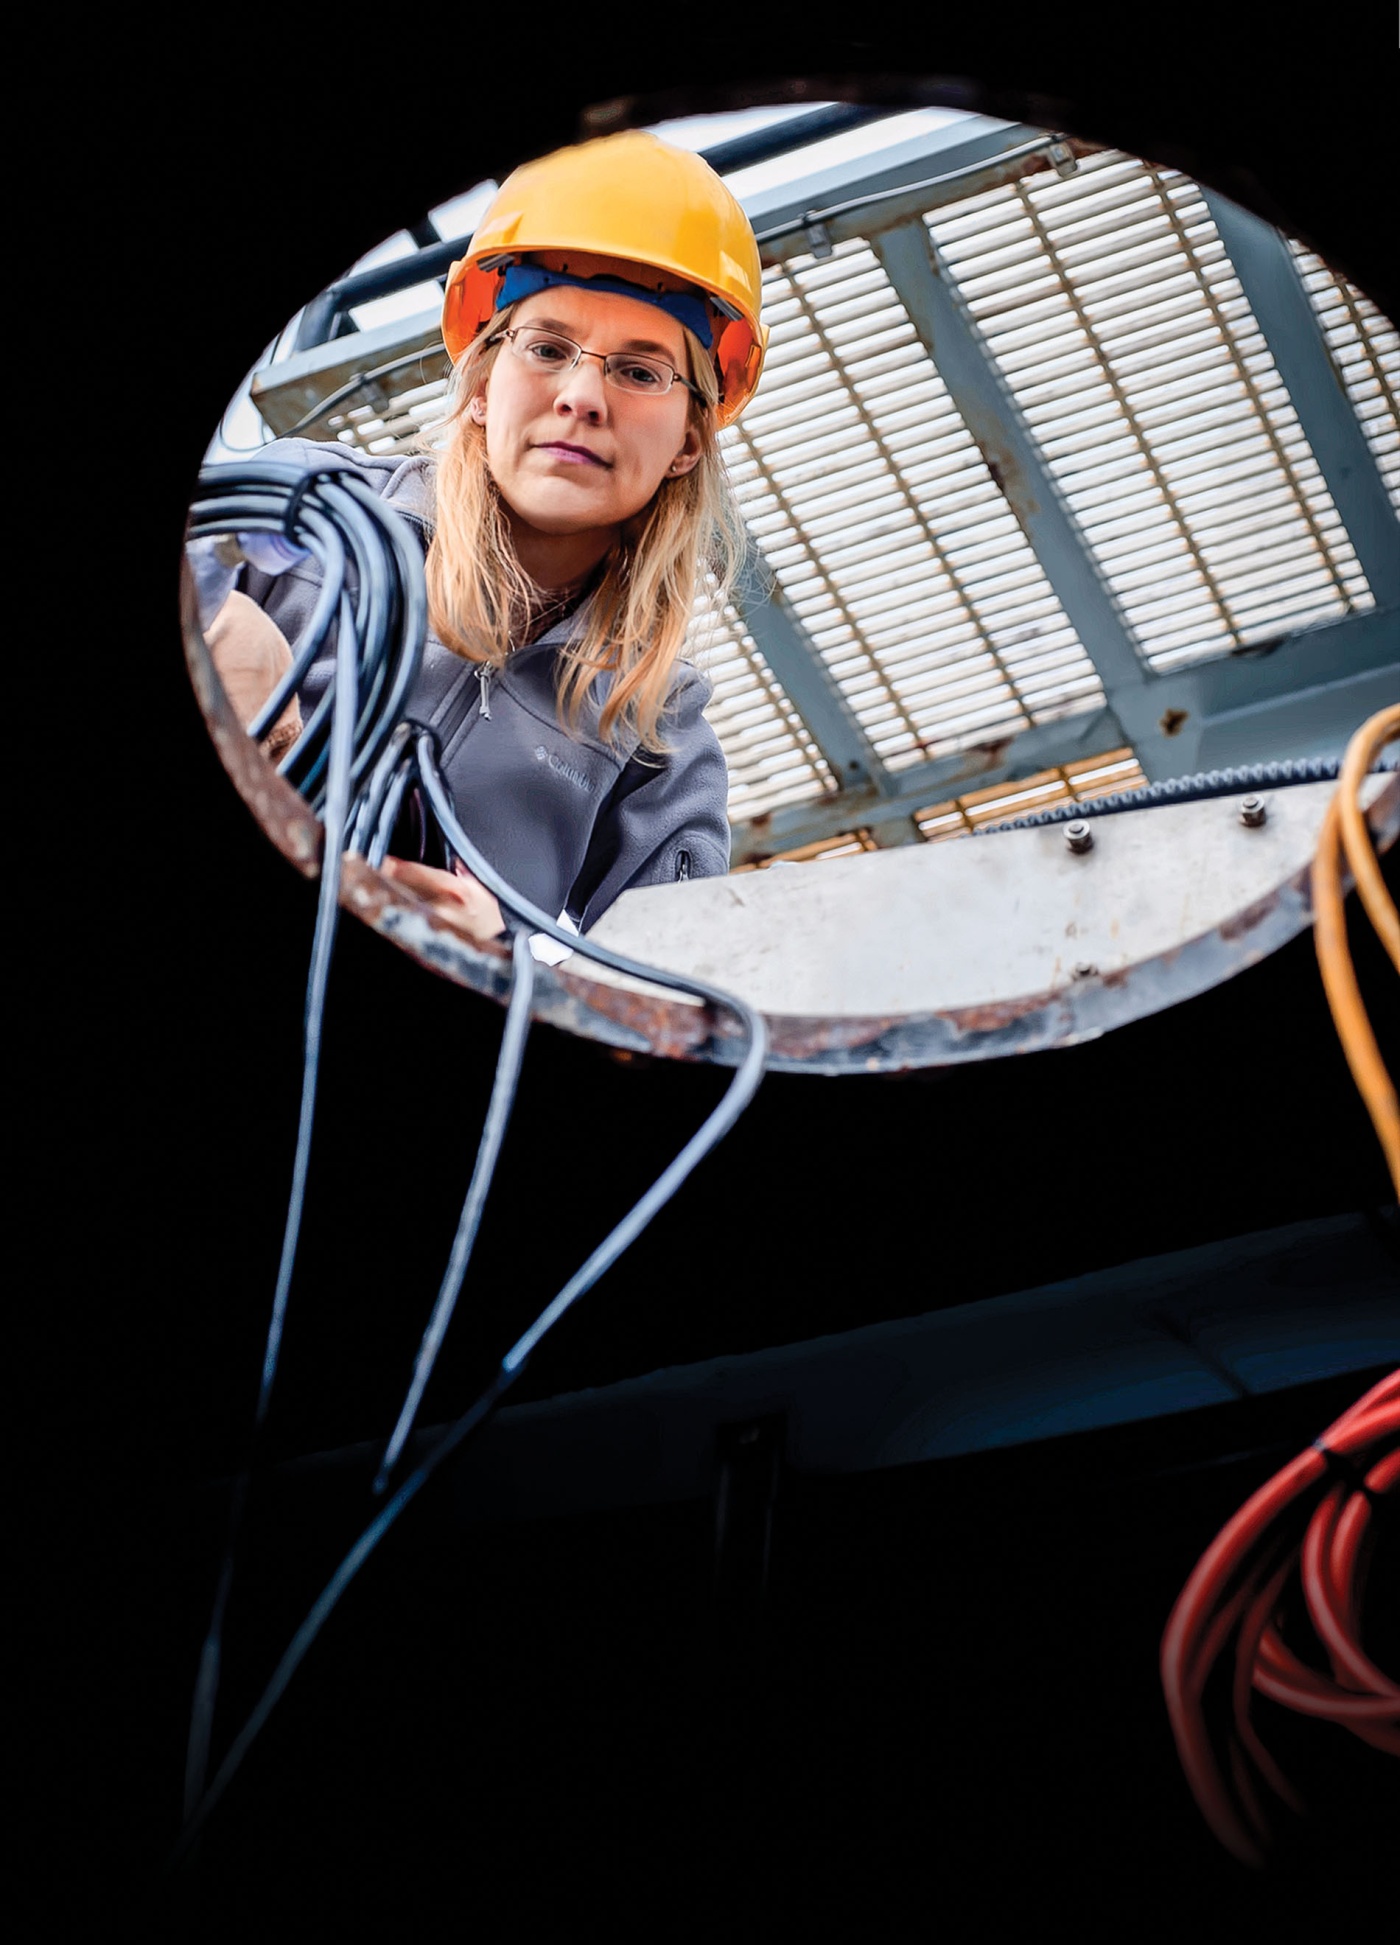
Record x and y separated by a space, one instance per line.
1308 1520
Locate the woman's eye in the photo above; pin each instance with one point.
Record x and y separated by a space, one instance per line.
548 351
643 377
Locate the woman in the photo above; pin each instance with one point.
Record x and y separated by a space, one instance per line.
603 326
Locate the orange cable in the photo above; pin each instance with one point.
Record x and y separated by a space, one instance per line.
1356 841
1339 981
1229 1605
1230 1602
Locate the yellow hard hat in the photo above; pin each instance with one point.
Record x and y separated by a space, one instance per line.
633 197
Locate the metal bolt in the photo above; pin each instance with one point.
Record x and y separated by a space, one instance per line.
1063 157
1253 811
1084 969
1078 836
819 240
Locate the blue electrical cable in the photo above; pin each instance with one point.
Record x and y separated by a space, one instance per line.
493 1133
323 940
341 522
736 1097
370 810
393 636
399 783
357 731
749 1072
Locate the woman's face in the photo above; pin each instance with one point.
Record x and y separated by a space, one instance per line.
573 457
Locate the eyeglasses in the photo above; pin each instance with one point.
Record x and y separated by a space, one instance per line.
550 354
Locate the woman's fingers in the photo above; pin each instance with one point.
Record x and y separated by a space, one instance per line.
457 896
427 880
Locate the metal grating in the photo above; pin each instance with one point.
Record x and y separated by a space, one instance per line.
1093 776
849 844
770 753
1117 321
397 422
1113 315
1365 348
877 515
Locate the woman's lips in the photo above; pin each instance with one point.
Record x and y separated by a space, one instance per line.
571 455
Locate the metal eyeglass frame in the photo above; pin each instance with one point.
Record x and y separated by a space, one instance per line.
606 358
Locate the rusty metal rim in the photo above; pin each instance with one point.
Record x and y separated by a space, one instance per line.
646 1023
653 1024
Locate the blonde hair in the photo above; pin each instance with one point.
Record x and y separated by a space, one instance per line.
688 539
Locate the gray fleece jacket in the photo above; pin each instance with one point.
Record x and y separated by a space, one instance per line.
569 820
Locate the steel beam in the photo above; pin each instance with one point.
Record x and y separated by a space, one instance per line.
1276 294
980 145
1300 696
1003 759
809 686
286 392
921 281
945 150
891 186
1159 1333
794 132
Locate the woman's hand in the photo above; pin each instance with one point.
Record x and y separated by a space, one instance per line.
251 655
456 895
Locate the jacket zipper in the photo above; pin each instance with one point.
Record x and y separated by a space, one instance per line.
461 702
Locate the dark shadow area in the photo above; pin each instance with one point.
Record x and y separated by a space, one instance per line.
941 1697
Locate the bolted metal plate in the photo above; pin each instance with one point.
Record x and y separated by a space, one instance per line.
1006 942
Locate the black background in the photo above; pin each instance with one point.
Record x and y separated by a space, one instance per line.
952 1718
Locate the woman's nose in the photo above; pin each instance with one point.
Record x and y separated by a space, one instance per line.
583 391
